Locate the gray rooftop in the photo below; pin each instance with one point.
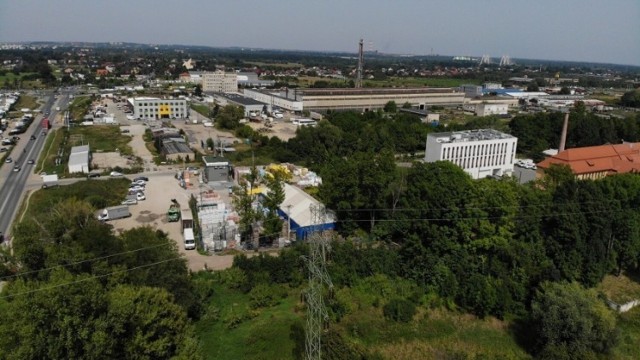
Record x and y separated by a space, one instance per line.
175 147
239 99
469 135
80 149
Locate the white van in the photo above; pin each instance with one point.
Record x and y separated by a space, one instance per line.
304 122
189 239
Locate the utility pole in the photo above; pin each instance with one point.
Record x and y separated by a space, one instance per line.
318 277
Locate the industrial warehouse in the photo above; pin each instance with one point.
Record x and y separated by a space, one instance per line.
362 99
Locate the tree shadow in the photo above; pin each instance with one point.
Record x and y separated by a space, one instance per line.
297 334
522 331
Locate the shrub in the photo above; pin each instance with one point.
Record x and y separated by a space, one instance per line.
400 310
263 295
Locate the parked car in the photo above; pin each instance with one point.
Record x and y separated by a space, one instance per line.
116 174
143 178
138 182
93 175
140 196
136 188
129 202
3 149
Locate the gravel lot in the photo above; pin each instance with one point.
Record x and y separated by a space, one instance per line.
161 188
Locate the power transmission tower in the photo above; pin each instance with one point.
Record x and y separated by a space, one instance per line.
360 64
318 277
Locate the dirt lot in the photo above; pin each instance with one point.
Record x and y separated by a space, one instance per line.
161 188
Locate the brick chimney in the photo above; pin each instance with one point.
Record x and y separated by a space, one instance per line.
563 136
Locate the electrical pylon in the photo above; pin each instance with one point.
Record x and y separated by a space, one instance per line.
318 277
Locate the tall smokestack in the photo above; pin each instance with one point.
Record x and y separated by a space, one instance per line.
563 136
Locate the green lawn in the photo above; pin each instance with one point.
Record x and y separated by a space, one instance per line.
201 109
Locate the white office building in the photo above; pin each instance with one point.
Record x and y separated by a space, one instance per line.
480 153
155 108
220 82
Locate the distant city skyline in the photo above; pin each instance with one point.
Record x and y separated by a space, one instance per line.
567 30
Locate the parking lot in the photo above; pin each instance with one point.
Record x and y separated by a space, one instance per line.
161 188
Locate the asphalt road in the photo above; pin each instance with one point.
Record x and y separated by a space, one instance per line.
14 182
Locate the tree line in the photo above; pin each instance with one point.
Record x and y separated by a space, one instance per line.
78 290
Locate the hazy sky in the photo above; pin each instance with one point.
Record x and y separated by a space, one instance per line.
582 30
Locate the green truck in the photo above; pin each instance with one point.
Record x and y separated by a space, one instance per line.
173 214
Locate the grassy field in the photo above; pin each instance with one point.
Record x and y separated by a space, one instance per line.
264 334
418 82
79 107
628 346
100 138
46 161
26 101
99 193
433 335
9 77
621 289
201 109
277 332
307 81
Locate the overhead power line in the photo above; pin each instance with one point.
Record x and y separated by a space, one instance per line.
88 279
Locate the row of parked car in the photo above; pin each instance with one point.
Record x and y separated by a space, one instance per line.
136 191
527 164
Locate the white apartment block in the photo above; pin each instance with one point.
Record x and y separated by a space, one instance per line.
480 153
155 108
220 81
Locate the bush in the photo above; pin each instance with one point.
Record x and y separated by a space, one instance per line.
400 310
263 295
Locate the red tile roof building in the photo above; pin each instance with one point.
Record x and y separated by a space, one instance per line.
596 162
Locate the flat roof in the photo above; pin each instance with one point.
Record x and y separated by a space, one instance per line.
172 147
214 160
79 159
372 91
469 135
79 149
240 99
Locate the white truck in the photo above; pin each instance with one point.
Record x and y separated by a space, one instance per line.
114 212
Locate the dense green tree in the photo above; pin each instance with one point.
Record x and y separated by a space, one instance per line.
571 322
229 117
631 98
390 107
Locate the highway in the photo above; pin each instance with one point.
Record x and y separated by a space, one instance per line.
14 182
